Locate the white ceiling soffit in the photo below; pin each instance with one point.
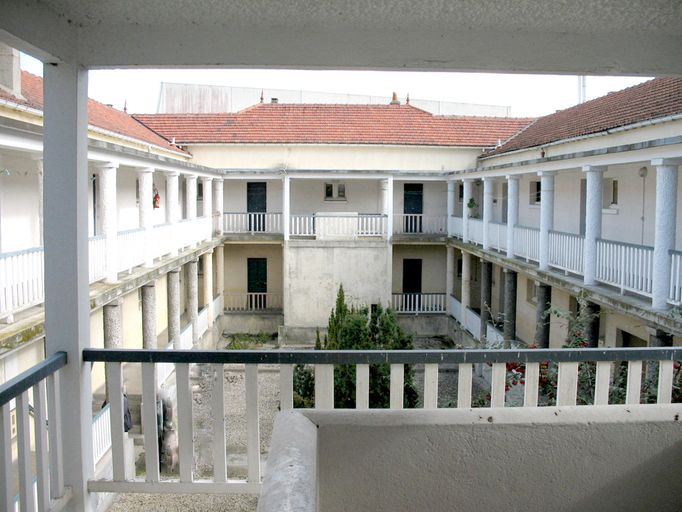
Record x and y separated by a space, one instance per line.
556 36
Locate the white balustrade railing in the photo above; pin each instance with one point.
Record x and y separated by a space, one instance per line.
476 231
472 323
371 225
97 247
675 296
596 365
566 251
131 249
497 236
240 222
192 231
455 226
419 224
628 267
252 301
101 433
21 280
527 243
162 240
415 303
455 308
302 225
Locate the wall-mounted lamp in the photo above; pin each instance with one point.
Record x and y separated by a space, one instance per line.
643 171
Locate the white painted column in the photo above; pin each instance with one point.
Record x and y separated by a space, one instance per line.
450 207
488 184
218 205
286 206
465 209
172 206
546 215
593 220
109 217
512 211
191 196
207 263
449 277
145 182
665 226
389 208
220 273
67 305
207 190
38 159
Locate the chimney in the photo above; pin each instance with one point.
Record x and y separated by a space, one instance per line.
395 100
10 72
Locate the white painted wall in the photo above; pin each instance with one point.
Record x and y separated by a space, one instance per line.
435 197
19 225
342 157
126 199
362 196
234 194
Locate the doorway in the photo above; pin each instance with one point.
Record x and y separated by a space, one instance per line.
413 207
257 282
256 205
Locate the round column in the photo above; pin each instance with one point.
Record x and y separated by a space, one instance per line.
593 221
664 241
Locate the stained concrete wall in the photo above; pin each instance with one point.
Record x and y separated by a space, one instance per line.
609 458
251 323
315 270
425 325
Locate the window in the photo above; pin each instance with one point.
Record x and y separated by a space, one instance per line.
459 268
535 192
200 191
460 192
334 191
610 193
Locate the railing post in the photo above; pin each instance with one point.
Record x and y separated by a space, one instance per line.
67 306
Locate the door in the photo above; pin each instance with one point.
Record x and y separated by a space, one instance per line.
256 205
412 284
257 282
413 207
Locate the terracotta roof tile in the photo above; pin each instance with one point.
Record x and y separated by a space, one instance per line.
654 99
99 115
333 124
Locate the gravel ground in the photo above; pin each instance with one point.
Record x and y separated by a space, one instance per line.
184 503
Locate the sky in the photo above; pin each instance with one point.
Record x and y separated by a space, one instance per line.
527 95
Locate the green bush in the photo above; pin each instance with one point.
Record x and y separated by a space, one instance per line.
356 329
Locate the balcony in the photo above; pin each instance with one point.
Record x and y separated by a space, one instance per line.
418 303
602 434
22 272
338 226
419 225
253 302
254 224
620 265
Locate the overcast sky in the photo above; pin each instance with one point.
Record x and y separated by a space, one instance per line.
528 95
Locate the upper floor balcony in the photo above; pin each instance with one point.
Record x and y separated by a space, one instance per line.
613 410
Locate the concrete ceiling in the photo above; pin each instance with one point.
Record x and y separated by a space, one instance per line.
569 36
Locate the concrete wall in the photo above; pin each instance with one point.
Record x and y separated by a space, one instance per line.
315 270
434 261
251 323
342 157
425 325
597 458
19 224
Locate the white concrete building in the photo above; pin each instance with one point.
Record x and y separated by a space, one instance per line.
72 37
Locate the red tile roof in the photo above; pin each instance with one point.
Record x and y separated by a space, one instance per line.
278 123
99 115
654 99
